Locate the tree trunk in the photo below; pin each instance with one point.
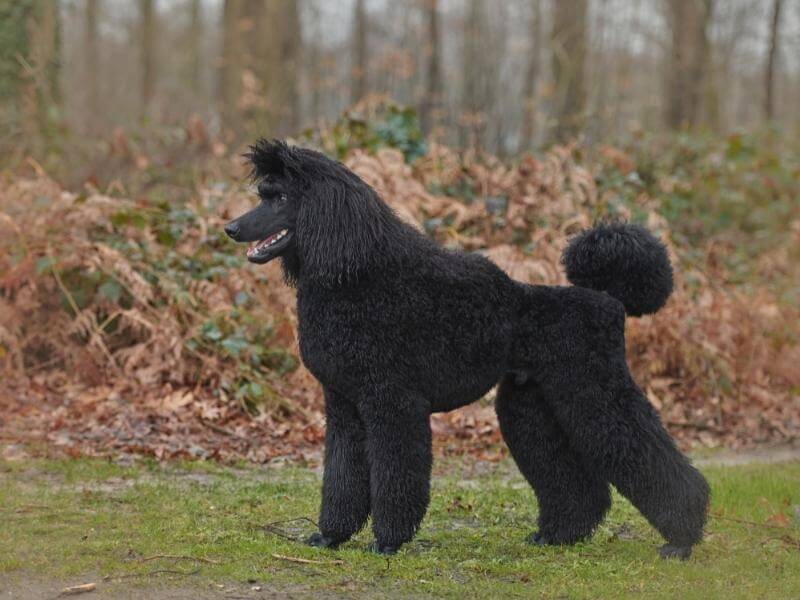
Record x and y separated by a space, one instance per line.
92 55
195 35
43 91
476 97
769 75
316 70
231 63
292 61
29 90
532 78
236 84
359 72
432 103
261 45
688 22
568 43
280 60
147 52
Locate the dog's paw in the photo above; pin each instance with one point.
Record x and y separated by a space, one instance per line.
679 552
320 541
377 548
537 539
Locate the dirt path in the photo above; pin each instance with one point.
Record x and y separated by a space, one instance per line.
20 587
771 455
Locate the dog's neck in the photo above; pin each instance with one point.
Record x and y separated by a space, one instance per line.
389 255
290 265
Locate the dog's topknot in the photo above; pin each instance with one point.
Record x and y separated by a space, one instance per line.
271 157
625 260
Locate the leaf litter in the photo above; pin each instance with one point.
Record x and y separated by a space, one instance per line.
132 325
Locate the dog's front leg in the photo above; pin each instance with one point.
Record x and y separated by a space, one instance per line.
345 483
399 452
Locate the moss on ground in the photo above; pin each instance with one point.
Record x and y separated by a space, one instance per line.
65 519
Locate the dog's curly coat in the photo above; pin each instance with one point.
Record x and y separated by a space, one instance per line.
396 327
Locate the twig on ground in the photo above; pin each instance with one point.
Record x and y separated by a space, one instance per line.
179 557
149 573
308 561
74 590
746 522
25 508
273 528
786 540
218 428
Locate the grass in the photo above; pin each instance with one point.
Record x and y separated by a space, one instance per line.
74 518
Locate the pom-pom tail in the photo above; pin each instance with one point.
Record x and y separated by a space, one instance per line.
624 260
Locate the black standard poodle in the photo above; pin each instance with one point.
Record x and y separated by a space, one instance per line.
396 328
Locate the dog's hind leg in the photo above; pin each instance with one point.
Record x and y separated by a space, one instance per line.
400 457
574 340
572 500
345 483
612 425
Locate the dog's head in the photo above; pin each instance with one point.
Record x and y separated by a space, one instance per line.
270 226
324 222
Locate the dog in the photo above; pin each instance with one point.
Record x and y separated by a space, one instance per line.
395 328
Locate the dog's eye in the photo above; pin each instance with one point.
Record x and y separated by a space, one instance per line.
282 199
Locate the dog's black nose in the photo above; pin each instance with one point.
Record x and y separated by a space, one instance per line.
232 229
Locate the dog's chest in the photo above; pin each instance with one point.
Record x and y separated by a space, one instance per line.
330 344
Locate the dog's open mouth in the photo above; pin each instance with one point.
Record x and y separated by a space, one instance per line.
269 247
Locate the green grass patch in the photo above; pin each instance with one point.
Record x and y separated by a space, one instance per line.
71 518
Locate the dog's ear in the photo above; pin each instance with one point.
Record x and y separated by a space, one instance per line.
343 230
271 158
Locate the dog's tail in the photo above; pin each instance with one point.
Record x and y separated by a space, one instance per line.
625 260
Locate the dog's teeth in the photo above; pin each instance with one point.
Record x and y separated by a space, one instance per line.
263 244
